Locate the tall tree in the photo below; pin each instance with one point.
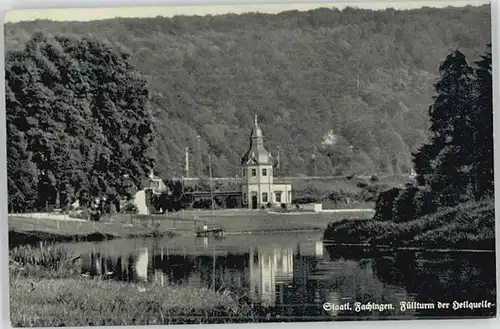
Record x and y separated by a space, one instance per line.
83 112
458 163
444 164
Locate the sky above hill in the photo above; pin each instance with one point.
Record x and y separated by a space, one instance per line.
88 14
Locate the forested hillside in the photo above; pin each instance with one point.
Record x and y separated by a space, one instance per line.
354 86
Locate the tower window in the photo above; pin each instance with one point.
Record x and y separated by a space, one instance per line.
264 172
254 172
264 197
244 173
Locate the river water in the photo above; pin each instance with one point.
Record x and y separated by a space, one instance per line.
296 275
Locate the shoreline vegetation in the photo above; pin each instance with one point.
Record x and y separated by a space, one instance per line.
472 228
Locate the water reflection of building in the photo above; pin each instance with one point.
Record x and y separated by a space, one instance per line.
269 267
141 263
159 277
273 270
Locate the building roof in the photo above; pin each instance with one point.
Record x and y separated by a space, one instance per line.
257 153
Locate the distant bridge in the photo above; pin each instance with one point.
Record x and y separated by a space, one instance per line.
222 195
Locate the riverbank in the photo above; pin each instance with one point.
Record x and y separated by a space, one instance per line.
466 226
25 230
82 302
239 221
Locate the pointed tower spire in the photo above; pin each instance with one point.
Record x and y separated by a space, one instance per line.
256 131
256 149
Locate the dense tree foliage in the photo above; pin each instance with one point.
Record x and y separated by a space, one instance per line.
78 124
351 84
457 164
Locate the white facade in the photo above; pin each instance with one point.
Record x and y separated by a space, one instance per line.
268 268
259 185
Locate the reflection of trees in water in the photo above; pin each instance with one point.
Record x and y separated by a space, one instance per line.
426 277
199 270
351 253
132 267
303 289
442 277
178 268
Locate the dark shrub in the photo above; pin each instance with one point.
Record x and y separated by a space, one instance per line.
305 199
336 197
403 207
95 214
231 202
219 202
425 202
130 208
384 203
202 204
268 205
283 206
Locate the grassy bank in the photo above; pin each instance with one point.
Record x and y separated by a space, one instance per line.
466 226
47 290
77 302
25 230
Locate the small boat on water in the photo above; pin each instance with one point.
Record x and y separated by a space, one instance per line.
206 230
209 230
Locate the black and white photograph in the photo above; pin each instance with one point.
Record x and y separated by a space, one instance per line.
209 164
